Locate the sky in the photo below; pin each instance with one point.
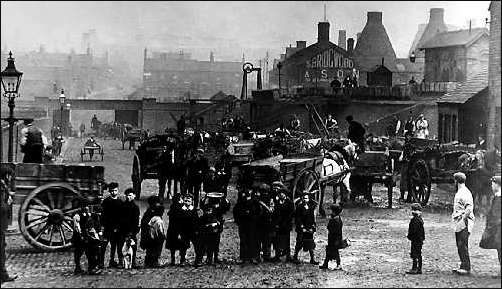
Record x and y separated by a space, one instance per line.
227 28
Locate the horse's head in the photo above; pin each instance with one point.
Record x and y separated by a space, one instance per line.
351 149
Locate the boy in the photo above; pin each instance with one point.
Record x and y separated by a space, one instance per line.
208 233
416 235
111 214
86 238
335 241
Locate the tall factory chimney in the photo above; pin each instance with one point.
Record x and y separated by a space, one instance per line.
322 32
436 25
350 45
301 44
342 39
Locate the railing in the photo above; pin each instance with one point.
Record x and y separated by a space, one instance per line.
396 92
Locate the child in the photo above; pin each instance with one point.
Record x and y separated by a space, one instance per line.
416 235
157 236
209 230
335 241
127 252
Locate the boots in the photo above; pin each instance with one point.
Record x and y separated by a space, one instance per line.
182 258
173 257
419 266
413 270
216 259
312 258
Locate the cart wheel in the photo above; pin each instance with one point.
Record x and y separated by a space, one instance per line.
136 177
45 216
419 182
307 181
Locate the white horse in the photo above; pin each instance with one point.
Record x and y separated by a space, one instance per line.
336 162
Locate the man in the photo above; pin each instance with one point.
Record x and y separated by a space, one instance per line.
409 126
393 127
412 81
265 228
356 132
463 220
332 126
422 127
305 228
491 238
197 168
94 122
6 197
283 221
32 143
404 158
112 213
246 212
129 225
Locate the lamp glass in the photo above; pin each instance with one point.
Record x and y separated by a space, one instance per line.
10 83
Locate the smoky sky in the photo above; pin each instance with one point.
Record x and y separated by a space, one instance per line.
228 28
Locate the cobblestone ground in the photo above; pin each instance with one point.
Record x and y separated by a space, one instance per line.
378 257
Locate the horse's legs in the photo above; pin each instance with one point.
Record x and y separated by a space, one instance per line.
162 186
321 201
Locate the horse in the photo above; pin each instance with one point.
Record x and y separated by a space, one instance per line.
479 168
337 160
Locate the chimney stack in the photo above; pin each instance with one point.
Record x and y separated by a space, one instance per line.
301 44
436 16
350 45
342 39
323 32
374 17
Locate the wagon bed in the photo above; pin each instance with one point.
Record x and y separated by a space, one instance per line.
49 195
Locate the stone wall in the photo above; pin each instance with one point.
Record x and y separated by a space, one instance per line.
494 78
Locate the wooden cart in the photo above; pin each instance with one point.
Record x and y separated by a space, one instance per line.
300 173
48 195
91 151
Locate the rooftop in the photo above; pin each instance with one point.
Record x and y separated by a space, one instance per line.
455 38
467 89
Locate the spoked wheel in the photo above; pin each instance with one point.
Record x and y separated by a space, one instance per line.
419 182
308 181
136 177
45 216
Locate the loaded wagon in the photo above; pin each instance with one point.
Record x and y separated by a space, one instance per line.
432 162
301 173
48 195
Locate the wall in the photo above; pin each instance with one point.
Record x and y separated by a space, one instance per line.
477 57
494 78
445 64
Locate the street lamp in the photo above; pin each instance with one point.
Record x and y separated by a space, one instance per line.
11 80
62 99
279 66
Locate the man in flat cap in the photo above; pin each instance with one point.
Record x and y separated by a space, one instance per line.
463 220
197 168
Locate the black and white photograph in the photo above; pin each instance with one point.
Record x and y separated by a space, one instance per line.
245 144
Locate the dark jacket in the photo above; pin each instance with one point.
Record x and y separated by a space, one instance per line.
491 236
197 169
416 229
247 212
129 218
111 214
335 225
283 216
305 219
356 132
147 216
182 227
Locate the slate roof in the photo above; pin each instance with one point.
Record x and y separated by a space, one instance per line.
467 89
455 38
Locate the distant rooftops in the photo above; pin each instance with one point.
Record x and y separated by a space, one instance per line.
463 37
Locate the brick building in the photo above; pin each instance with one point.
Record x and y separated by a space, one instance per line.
315 65
175 77
454 56
494 74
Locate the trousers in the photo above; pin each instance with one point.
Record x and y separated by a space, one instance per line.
462 239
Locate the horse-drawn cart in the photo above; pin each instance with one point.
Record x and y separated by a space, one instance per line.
432 162
301 173
91 151
132 135
49 195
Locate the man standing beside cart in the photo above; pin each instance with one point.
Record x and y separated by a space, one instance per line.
32 143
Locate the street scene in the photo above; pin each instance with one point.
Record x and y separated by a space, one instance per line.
151 144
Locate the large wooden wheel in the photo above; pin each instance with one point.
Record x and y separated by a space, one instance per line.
308 181
136 176
419 181
45 216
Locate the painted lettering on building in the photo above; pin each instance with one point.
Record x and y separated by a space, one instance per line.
329 58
